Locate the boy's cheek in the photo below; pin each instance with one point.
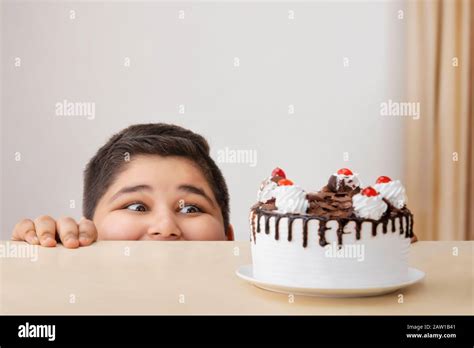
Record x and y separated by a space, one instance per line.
205 227
116 227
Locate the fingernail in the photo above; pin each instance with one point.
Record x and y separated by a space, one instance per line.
70 238
34 240
49 240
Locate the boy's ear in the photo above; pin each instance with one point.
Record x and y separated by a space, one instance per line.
230 232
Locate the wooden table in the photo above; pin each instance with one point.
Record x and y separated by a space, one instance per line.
125 277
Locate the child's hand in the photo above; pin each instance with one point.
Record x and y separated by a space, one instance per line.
44 231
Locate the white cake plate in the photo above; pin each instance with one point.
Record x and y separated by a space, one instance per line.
414 275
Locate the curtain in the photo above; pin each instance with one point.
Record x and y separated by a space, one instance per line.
439 145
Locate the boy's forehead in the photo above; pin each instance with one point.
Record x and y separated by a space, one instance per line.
158 169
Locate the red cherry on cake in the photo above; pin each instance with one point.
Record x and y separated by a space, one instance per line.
383 180
285 182
369 192
344 171
278 172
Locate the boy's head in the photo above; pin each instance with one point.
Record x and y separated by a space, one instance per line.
156 181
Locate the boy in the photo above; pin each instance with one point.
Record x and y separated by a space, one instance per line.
148 182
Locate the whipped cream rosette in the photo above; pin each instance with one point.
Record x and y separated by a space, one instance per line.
291 199
266 191
392 190
369 204
287 197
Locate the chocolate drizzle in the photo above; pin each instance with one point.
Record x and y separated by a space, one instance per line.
290 225
384 225
358 228
277 227
400 214
267 224
252 216
374 229
340 230
322 233
305 232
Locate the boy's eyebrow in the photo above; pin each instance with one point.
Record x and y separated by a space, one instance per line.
186 188
197 191
129 189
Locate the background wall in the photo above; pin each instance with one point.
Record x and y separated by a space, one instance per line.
299 83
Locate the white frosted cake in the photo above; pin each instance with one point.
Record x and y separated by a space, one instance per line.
342 236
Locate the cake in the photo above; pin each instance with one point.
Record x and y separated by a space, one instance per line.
342 236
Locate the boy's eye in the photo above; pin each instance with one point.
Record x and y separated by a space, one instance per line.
136 207
189 209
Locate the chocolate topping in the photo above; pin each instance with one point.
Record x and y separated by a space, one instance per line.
276 178
331 205
333 185
270 205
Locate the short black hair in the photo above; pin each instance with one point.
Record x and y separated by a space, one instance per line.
150 139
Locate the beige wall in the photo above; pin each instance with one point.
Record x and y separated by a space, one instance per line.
190 61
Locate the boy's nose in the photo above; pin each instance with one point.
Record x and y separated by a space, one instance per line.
164 228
